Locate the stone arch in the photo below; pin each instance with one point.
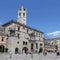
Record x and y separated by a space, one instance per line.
25 49
32 46
16 50
41 49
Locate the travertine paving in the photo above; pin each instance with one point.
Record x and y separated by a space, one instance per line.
50 56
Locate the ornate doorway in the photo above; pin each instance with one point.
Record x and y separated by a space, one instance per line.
25 49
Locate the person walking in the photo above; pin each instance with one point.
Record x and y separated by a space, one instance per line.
10 54
45 53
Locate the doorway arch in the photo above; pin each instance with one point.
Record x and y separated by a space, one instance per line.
32 47
40 50
25 49
16 50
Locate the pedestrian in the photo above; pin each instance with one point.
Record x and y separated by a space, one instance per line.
31 55
19 52
57 53
45 53
10 54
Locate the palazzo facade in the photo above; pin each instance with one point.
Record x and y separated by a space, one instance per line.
16 36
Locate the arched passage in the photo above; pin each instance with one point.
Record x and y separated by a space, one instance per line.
2 48
40 50
16 50
25 49
32 46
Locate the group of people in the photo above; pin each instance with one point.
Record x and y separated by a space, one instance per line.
44 53
57 53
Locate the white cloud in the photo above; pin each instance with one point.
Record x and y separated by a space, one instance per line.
56 33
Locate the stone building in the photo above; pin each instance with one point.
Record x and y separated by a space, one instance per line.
52 44
3 40
21 37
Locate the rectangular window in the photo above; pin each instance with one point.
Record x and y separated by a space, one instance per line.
19 14
39 34
27 30
1 30
32 46
4 29
23 14
18 35
2 39
12 33
36 33
36 45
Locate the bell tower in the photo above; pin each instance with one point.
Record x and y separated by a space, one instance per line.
22 15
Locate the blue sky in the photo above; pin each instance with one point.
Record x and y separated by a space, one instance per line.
43 15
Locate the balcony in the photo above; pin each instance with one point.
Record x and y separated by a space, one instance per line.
32 35
12 28
32 39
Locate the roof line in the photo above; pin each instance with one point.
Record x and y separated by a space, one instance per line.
13 21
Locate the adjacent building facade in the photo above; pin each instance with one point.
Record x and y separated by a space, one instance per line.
20 37
3 41
52 44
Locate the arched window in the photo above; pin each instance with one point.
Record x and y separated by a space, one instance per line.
23 42
2 39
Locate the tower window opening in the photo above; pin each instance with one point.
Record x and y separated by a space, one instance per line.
24 9
19 14
20 9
